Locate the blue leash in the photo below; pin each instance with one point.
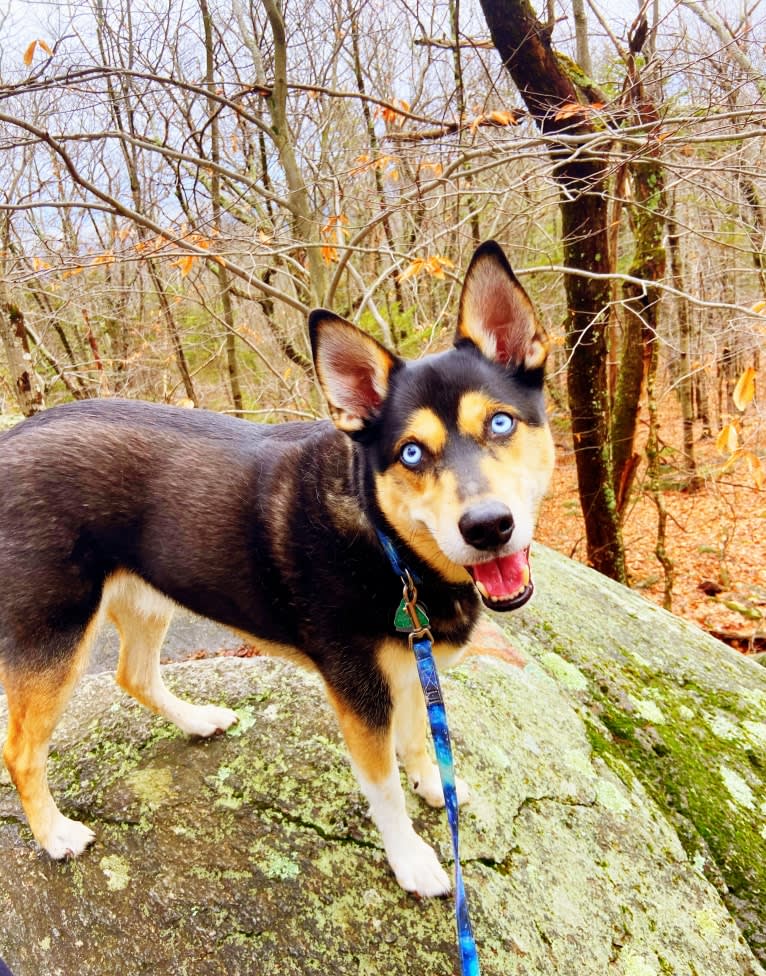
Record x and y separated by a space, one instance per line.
412 619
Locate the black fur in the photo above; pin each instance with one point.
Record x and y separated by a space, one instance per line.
234 520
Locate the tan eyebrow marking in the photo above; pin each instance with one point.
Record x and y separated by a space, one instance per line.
472 413
427 429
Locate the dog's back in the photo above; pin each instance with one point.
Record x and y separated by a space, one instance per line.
188 500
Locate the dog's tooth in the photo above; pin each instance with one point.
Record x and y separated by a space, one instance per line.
525 577
482 589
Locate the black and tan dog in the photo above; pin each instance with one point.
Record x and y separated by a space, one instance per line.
120 510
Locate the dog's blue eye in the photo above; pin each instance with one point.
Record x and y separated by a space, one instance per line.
502 423
411 454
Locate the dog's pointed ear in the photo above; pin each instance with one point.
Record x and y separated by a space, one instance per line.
353 369
496 313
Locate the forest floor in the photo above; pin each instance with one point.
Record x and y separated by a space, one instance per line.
715 537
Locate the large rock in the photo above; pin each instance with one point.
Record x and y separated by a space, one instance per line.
664 701
251 853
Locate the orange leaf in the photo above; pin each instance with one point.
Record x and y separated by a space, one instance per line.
569 110
744 391
434 266
412 269
754 465
732 460
759 307
727 440
185 264
364 164
334 230
392 115
30 51
329 253
756 470
503 118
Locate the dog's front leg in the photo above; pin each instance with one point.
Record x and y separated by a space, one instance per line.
411 725
373 760
411 730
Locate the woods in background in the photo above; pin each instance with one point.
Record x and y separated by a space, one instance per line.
183 181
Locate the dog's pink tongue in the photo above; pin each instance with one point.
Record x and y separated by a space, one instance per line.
505 576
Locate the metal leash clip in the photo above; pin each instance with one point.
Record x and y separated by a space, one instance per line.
411 617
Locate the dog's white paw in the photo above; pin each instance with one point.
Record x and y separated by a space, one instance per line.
67 838
428 784
417 868
205 720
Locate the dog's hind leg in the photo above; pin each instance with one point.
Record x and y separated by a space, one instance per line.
36 699
373 760
142 616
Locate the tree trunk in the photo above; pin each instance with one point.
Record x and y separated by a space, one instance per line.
16 347
224 279
641 302
581 36
304 221
369 122
120 106
524 46
654 470
460 105
684 379
641 314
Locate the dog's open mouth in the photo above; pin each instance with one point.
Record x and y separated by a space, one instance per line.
504 583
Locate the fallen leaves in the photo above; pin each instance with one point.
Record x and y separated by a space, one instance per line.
716 536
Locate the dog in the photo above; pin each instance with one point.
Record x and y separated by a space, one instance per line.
118 510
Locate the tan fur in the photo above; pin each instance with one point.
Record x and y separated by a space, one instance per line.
425 509
426 428
373 758
371 750
520 470
410 720
35 703
474 410
412 504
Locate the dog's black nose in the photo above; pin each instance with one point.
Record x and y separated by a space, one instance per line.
487 525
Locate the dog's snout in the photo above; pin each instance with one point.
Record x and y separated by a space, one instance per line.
487 525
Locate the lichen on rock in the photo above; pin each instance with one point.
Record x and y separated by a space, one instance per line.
252 852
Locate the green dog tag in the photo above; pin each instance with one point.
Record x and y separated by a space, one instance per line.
403 621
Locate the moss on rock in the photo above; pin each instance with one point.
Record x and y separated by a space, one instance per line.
252 853
681 710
